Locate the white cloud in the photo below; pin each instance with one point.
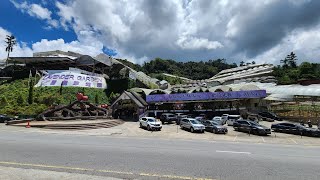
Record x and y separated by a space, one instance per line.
87 44
304 43
185 30
21 49
36 10
197 43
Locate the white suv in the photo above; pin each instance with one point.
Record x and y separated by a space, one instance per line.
150 123
232 118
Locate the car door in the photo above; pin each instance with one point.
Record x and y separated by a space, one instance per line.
183 123
207 125
245 126
188 124
144 122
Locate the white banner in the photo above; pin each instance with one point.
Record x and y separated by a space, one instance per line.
68 78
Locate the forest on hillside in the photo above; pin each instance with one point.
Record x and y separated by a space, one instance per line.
289 72
191 69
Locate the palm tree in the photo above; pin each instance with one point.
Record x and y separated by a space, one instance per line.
11 41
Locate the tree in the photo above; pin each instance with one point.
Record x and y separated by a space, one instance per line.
292 60
253 62
96 99
3 101
20 100
11 41
284 62
242 63
30 96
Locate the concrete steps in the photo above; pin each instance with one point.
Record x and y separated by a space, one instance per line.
87 126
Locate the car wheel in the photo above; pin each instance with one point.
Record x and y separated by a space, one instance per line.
149 128
192 130
214 130
140 125
255 132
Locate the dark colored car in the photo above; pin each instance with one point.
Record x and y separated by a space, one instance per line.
215 127
168 117
4 118
251 127
269 116
295 128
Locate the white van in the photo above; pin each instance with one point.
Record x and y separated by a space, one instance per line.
232 118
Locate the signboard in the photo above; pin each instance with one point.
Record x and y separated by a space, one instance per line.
206 96
69 78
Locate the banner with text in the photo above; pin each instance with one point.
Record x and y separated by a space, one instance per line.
206 96
68 78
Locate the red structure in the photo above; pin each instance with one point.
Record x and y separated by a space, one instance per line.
81 97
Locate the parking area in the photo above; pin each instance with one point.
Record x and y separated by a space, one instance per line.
172 131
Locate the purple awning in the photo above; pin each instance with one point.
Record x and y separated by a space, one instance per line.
206 96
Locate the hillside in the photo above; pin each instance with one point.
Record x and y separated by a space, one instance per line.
190 70
14 97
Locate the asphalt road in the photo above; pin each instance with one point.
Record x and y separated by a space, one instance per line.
147 158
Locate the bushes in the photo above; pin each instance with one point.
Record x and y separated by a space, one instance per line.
14 96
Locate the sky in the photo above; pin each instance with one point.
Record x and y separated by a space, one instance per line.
184 30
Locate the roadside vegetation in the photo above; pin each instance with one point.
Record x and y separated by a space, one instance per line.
16 99
291 73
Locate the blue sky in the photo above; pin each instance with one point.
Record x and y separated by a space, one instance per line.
29 29
183 30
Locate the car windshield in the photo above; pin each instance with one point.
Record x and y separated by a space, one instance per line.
214 123
234 117
254 123
195 122
151 120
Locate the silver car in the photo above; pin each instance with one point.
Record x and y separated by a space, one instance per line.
150 123
192 125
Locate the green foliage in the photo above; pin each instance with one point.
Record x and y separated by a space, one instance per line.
20 99
191 70
96 99
3 101
14 95
30 97
291 73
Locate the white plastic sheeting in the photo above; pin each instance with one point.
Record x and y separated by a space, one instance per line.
295 89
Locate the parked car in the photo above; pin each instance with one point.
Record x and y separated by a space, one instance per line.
179 116
269 116
218 119
167 117
215 127
150 123
200 119
232 118
254 117
224 118
4 118
295 128
251 127
191 116
192 125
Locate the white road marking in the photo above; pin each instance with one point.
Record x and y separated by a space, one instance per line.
293 141
233 152
235 138
263 139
